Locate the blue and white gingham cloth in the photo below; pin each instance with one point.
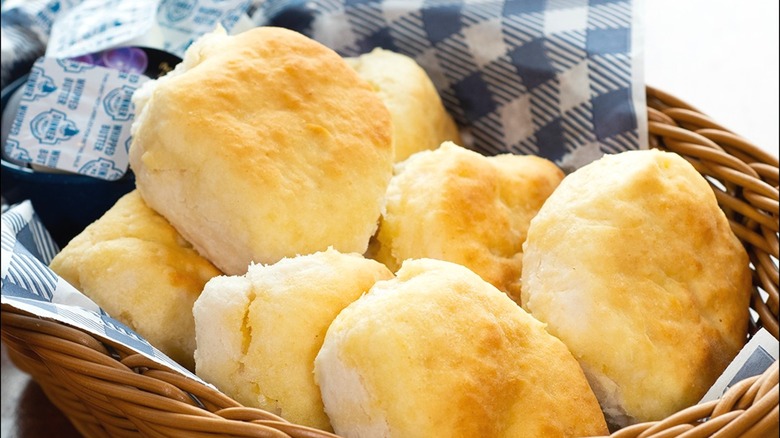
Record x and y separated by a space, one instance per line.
557 78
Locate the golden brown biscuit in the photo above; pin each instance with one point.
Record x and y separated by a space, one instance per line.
263 145
258 334
439 352
420 121
133 264
457 205
632 264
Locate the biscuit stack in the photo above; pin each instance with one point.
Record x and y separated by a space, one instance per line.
337 258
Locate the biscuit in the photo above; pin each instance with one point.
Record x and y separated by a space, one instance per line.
633 265
439 352
420 121
133 264
258 334
261 146
457 205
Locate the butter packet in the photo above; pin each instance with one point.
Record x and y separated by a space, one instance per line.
95 25
181 23
75 117
79 27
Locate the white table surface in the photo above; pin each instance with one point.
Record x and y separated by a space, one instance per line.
721 56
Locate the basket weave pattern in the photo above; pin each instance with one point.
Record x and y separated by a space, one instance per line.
106 390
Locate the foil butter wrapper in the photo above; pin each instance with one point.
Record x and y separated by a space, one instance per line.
77 28
75 117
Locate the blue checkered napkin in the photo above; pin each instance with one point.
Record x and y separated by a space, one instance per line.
24 252
28 284
554 78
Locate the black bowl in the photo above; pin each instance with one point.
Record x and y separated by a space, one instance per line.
65 203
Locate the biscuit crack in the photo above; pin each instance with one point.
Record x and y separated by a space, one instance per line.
246 326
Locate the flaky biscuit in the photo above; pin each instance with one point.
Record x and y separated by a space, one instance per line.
633 265
420 121
457 205
261 146
258 334
133 264
439 352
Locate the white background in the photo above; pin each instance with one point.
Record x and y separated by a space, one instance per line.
720 56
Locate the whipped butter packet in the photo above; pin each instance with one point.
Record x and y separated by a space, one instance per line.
75 117
182 22
90 26
95 25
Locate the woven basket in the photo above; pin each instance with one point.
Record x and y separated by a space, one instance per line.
106 390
